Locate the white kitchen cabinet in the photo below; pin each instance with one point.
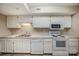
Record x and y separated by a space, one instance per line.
36 46
13 22
73 50
25 19
9 48
73 45
41 21
56 19
48 46
21 46
2 45
73 42
26 45
65 21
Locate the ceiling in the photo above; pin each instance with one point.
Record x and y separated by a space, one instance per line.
13 9
53 4
31 8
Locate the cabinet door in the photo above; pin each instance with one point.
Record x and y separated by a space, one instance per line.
41 22
9 45
47 45
26 45
67 21
37 46
25 19
12 22
2 45
22 46
73 42
18 46
73 45
56 19
73 49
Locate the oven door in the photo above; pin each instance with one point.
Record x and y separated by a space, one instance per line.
60 45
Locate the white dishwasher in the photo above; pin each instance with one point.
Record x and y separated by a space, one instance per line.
36 46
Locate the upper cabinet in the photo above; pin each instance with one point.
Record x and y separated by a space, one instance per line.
41 21
17 21
25 19
12 22
65 21
38 21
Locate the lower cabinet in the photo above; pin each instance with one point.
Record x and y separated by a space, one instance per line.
36 46
18 46
9 46
47 46
2 45
73 45
26 45
33 46
21 46
15 45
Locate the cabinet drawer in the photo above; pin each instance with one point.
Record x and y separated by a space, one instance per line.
73 44
36 52
60 53
76 40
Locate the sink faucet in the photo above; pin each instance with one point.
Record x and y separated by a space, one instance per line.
28 34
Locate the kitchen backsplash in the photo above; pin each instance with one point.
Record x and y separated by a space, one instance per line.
30 30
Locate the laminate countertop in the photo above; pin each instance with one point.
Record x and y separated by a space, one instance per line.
31 37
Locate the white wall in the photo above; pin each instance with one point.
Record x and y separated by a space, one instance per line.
74 31
58 10
3 29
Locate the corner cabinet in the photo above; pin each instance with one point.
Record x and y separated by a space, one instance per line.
41 21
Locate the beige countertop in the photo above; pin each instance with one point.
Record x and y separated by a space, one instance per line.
30 37
72 37
35 36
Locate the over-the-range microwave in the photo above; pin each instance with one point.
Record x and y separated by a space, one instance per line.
55 27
